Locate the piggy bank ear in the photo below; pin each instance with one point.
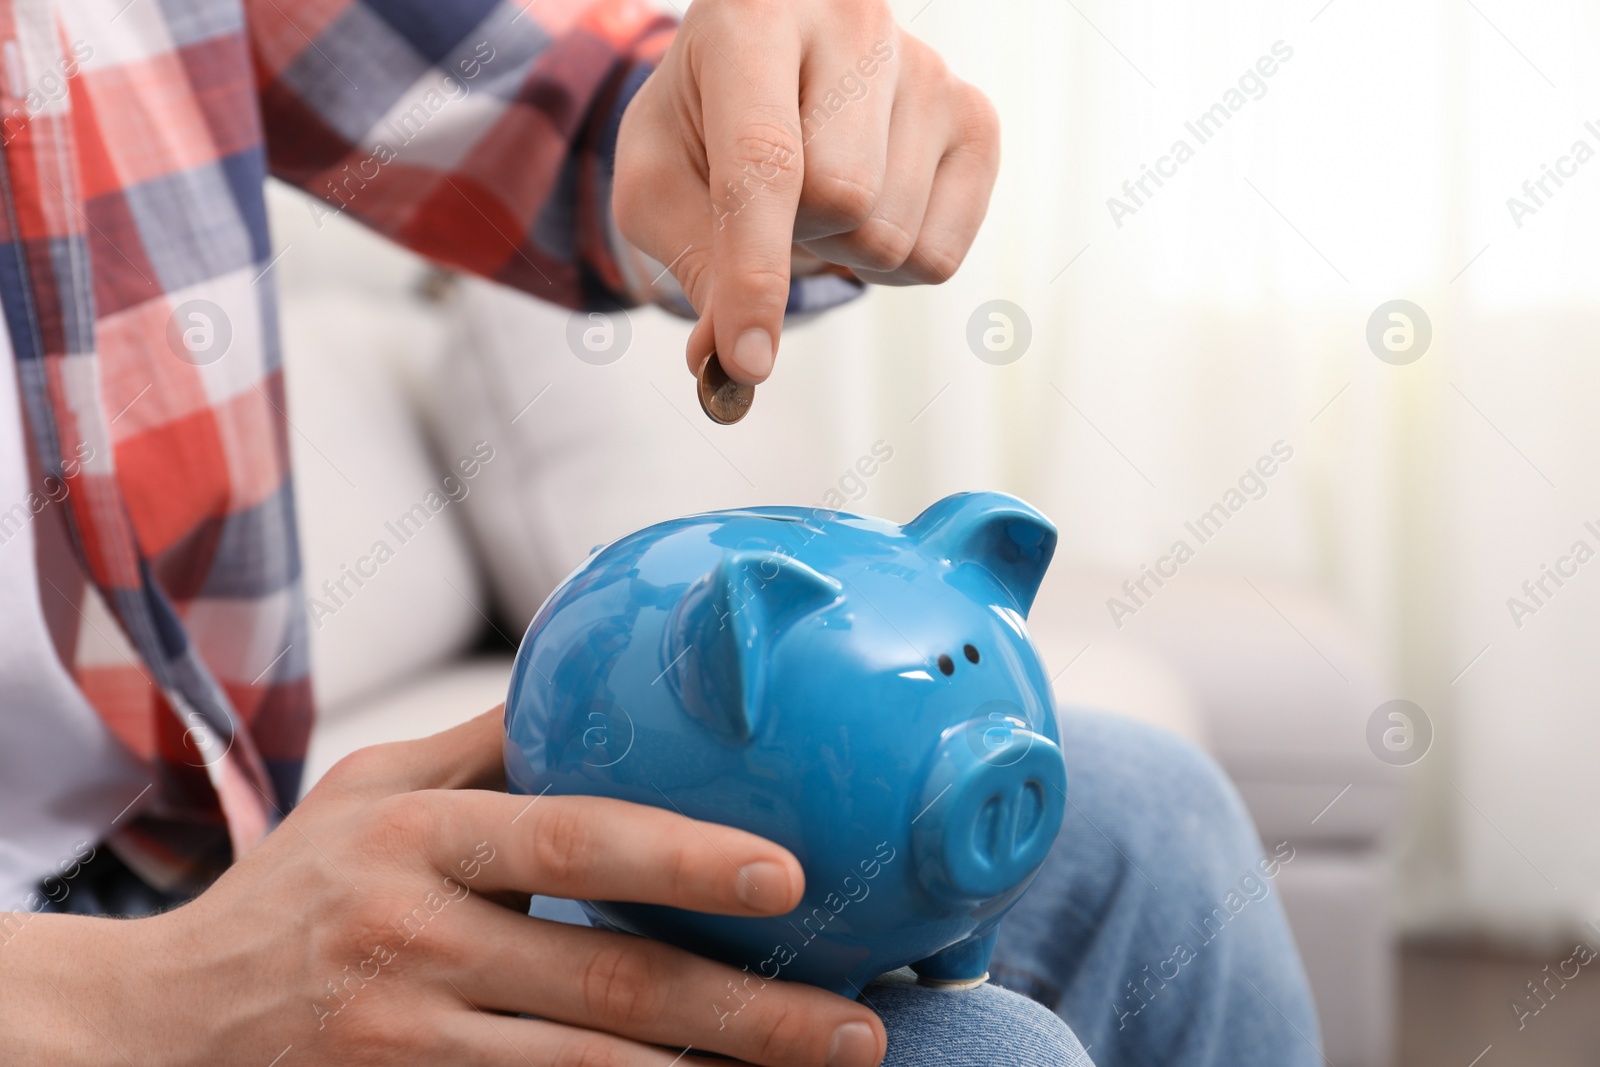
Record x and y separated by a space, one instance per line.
724 633
997 532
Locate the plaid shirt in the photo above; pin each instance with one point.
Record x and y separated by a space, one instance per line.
135 277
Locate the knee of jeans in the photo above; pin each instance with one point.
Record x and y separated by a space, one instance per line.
983 1027
1160 799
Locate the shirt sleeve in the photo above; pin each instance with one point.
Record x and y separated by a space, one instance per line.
479 133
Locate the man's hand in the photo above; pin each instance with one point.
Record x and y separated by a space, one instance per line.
384 923
773 124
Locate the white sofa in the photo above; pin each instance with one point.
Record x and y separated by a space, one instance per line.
388 389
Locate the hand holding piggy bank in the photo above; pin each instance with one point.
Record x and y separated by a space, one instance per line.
862 693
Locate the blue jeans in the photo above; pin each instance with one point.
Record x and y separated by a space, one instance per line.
1152 936
1154 929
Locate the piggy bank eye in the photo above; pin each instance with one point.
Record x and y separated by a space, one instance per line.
947 666
970 652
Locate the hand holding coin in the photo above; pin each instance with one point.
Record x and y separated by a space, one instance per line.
716 179
724 400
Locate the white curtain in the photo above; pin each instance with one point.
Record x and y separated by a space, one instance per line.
1229 311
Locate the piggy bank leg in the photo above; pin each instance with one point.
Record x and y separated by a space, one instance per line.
964 965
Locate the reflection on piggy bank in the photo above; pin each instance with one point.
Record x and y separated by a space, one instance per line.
862 693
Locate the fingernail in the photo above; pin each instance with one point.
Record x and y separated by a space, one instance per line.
854 1045
752 353
762 884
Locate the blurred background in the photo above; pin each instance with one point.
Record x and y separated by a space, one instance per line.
1345 272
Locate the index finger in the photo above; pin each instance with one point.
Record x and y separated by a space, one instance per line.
754 150
597 848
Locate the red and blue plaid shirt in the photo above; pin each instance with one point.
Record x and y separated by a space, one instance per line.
136 282
137 138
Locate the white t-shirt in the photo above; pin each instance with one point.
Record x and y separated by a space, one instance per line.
64 779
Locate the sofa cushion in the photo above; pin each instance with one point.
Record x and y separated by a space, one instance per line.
1282 682
356 342
390 582
599 449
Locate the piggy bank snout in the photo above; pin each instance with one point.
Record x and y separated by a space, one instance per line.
990 809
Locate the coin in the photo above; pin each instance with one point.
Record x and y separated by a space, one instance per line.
723 400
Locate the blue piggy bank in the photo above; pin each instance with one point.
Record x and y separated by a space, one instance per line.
862 693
